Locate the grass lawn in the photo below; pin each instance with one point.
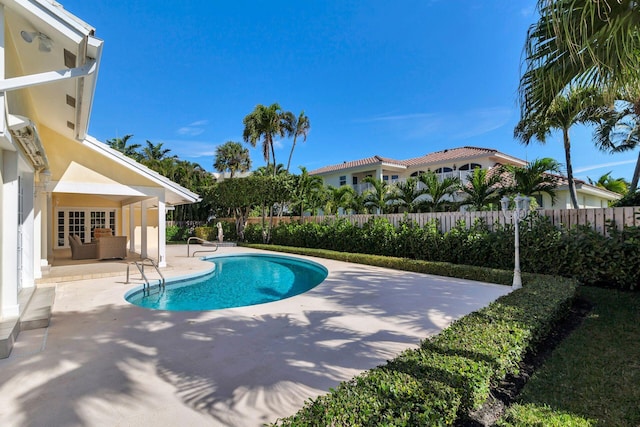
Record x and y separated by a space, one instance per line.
593 377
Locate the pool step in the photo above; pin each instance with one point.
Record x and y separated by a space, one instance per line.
35 312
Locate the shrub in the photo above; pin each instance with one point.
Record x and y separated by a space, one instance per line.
175 233
451 373
579 252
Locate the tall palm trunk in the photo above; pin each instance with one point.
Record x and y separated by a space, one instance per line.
567 155
636 174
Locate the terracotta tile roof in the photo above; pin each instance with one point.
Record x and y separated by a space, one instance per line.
373 160
450 154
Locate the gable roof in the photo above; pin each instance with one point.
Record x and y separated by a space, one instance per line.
175 194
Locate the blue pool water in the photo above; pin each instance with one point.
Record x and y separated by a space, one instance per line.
236 281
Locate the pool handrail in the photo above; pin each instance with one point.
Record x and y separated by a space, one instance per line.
201 241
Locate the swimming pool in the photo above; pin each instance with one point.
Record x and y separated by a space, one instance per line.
236 281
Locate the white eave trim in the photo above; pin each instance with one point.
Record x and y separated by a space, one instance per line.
183 193
597 191
54 15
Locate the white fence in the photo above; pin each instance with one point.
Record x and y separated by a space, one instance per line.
597 219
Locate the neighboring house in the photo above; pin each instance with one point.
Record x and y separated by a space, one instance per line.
55 179
455 162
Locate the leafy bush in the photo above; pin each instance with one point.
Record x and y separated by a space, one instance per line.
175 233
206 233
579 252
451 373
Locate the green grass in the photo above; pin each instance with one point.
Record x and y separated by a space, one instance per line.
593 376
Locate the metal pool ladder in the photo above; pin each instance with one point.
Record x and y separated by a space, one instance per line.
140 265
205 242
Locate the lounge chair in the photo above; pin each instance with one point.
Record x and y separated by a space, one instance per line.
112 247
81 250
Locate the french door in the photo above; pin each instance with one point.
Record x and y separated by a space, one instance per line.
82 222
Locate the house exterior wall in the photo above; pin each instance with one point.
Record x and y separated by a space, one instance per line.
73 162
454 168
17 227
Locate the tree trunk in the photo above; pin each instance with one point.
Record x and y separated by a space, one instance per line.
636 174
567 155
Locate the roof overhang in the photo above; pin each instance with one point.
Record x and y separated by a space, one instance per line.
55 59
174 194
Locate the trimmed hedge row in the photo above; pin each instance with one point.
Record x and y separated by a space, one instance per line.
482 274
451 373
580 252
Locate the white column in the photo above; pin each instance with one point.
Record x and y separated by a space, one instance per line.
50 241
162 233
132 228
9 228
2 66
143 229
29 235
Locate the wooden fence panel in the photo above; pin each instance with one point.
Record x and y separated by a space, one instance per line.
597 219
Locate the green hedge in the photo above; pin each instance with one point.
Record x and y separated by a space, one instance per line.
579 253
451 373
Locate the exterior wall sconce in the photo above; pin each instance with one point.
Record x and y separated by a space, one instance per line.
44 42
518 213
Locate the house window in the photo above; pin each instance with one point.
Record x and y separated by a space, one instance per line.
385 178
470 167
443 170
82 222
539 200
354 180
394 177
418 173
343 180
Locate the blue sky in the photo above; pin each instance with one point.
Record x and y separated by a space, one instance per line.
399 81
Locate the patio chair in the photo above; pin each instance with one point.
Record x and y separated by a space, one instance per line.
81 250
112 247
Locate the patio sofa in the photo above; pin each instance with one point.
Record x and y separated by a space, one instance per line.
112 247
81 250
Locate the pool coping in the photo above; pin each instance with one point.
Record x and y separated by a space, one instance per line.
103 361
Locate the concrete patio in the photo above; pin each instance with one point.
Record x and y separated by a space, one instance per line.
104 362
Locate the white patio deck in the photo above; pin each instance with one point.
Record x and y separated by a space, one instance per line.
104 362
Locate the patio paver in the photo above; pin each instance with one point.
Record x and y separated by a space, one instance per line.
104 362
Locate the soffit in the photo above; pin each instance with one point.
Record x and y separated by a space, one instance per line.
59 42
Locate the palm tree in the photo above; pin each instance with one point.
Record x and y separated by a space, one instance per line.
574 106
306 189
407 194
606 181
233 157
482 189
534 178
580 42
339 197
123 146
267 123
270 170
301 128
437 190
155 151
377 196
620 130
